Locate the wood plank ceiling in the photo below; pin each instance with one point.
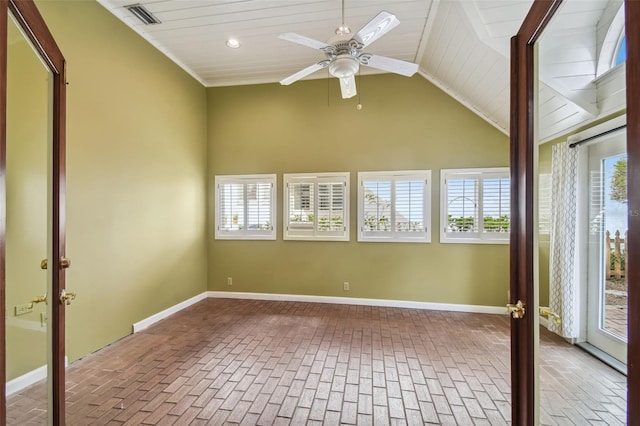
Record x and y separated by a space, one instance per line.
461 46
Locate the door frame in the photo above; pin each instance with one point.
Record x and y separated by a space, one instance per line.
523 146
632 14
28 17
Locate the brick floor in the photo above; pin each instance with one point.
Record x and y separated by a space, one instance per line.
615 320
270 363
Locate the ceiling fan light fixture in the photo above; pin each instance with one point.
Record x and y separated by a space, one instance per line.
344 66
232 43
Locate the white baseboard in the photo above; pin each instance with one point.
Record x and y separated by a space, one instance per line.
544 322
40 373
147 322
360 301
28 379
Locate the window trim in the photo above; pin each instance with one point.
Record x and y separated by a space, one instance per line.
395 236
314 179
245 234
609 46
469 238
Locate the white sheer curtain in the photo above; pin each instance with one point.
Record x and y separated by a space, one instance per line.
563 262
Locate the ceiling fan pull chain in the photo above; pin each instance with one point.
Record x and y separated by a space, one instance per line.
328 88
359 106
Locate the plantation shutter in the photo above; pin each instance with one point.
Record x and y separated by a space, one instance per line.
245 207
317 206
231 211
462 205
409 206
544 203
496 209
330 207
301 206
377 206
596 203
393 206
259 206
476 205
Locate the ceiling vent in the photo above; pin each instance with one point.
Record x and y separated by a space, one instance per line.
142 14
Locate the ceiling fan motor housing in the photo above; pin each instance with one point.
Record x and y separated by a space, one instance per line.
343 54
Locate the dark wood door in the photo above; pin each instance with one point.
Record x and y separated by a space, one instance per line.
632 17
27 16
523 171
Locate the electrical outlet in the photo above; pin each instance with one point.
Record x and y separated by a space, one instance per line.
43 319
24 309
345 286
229 281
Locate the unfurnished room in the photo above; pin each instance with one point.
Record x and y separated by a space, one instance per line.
288 212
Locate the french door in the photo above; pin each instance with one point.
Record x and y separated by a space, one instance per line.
606 264
523 291
32 205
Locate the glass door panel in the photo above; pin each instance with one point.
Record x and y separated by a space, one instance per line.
27 232
607 282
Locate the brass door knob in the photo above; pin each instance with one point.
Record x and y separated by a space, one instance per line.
39 299
545 311
64 263
66 297
517 310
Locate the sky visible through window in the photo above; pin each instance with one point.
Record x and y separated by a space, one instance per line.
621 55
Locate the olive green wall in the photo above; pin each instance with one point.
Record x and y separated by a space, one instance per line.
136 176
405 123
544 167
26 184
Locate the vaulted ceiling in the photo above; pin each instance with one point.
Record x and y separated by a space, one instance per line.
461 46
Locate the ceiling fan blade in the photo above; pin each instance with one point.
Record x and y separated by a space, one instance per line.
392 65
376 28
305 41
302 73
348 87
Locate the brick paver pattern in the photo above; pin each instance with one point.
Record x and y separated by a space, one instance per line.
251 362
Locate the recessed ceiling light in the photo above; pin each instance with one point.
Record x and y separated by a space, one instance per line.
233 43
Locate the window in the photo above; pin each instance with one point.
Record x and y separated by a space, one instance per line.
245 207
475 206
394 206
610 40
316 206
621 52
544 203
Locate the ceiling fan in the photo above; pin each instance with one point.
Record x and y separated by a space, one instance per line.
344 53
